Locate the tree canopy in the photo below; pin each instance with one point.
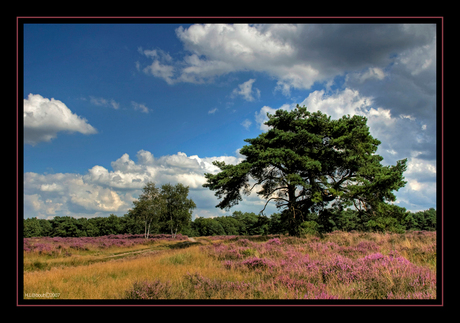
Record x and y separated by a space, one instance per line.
178 208
149 207
307 163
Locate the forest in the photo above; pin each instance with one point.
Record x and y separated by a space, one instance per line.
239 223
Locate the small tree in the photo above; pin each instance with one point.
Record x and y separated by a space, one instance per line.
148 207
177 208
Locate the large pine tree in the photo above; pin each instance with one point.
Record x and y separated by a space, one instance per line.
306 163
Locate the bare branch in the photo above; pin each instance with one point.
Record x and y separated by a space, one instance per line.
272 198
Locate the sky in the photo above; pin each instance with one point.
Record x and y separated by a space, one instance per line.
109 107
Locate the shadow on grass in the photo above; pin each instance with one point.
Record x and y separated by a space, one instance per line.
183 244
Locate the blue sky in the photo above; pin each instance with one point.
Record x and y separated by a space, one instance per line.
108 107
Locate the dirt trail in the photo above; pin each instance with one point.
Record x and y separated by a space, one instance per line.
130 253
141 251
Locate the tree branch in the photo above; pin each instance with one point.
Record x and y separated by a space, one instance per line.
276 198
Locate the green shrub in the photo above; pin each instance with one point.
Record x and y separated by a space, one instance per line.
309 227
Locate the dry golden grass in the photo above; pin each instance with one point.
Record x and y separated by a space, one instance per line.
107 280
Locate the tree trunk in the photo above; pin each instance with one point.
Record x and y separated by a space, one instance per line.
293 223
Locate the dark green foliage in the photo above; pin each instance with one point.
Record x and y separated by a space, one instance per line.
396 220
248 222
423 220
32 228
230 225
276 225
82 227
66 226
132 226
208 227
309 227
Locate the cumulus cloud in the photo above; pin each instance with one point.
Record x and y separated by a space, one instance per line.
296 56
339 103
67 194
102 191
161 70
44 118
407 88
246 91
392 64
159 67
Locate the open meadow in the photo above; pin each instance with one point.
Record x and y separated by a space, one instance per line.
338 265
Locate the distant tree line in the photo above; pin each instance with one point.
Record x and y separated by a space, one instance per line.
239 223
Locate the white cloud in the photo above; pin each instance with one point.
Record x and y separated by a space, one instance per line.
44 118
339 104
261 116
163 71
246 123
114 104
98 101
155 53
422 170
420 59
102 191
212 111
391 151
296 56
140 106
50 187
67 194
372 73
246 91
104 102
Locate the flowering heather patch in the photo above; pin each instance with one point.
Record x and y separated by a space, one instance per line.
232 237
366 269
149 290
197 286
52 245
275 241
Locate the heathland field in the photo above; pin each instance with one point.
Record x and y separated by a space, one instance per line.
338 265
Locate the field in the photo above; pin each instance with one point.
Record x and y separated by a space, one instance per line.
339 265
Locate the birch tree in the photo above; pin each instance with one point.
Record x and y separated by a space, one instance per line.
149 207
178 208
